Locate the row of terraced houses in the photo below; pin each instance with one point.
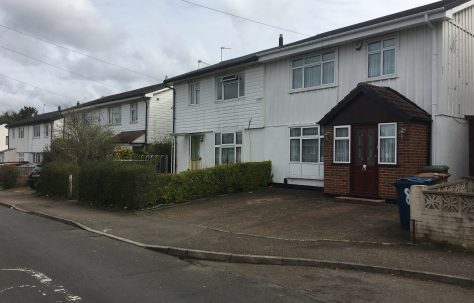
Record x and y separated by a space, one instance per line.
350 110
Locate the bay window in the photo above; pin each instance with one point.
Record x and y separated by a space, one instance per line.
228 148
306 145
388 143
342 142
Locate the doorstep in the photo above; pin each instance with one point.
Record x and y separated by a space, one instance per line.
357 200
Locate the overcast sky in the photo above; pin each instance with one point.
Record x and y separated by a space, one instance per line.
154 38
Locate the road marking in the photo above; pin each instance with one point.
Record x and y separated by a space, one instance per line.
44 280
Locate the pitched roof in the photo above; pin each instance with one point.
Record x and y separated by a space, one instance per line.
140 92
392 100
46 117
445 5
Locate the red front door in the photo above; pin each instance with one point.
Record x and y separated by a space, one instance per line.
364 170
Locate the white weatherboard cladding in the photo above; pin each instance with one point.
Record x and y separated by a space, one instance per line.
457 77
160 116
413 79
3 135
213 115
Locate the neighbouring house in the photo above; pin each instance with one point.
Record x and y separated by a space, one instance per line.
3 141
268 105
138 117
28 138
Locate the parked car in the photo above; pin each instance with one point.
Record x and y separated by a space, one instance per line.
34 177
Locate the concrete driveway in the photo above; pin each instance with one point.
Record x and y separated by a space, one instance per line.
292 214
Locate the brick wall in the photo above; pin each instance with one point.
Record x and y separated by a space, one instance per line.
412 154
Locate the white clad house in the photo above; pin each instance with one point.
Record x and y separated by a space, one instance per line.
267 105
138 117
3 140
28 138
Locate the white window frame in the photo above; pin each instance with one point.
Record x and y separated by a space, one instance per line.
134 112
36 131
36 157
234 145
194 97
21 132
229 78
110 112
381 51
321 62
388 137
46 130
21 157
302 137
341 139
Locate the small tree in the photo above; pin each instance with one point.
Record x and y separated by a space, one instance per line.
82 141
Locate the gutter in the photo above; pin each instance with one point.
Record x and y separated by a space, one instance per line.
175 145
346 33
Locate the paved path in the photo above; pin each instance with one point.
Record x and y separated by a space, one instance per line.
249 223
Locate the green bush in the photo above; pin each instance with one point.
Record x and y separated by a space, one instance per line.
120 185
9 177
195 184
54 180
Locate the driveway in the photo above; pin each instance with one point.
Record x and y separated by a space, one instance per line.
292 214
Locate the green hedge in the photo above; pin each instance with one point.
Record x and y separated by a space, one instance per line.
54 179
9 177
222 179
120 185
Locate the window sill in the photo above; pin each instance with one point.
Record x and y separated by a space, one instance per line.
133 122
381 78
192 105
36 137
231 100
307 163
301 90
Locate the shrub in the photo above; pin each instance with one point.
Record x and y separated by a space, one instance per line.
196 184
120 185
9 177
54 180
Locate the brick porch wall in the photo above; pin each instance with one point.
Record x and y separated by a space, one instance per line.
412 154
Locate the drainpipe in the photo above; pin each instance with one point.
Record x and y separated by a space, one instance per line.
147 103
175 144
435 91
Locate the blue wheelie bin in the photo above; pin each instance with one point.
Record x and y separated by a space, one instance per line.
403 196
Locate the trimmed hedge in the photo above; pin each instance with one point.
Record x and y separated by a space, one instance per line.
54 179
120 185
195 184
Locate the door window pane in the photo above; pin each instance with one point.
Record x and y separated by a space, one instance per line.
359 148
371 147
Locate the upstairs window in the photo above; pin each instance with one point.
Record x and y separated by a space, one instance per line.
46 130
230 86
228 148
313 70
36 131
133 112
306 145
381 58
21 132
115 115
195 92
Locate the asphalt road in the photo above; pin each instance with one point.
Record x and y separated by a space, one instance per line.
47 261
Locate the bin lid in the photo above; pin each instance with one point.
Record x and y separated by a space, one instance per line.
414 180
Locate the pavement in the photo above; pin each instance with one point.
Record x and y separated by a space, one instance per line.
268 226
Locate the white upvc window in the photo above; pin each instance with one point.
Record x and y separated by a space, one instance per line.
36 157
133 112
381 58
313 70
21 157
306 145
36 131
46 130
115 115
228 148
342 143
21 132
387 143
194 93
230 86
